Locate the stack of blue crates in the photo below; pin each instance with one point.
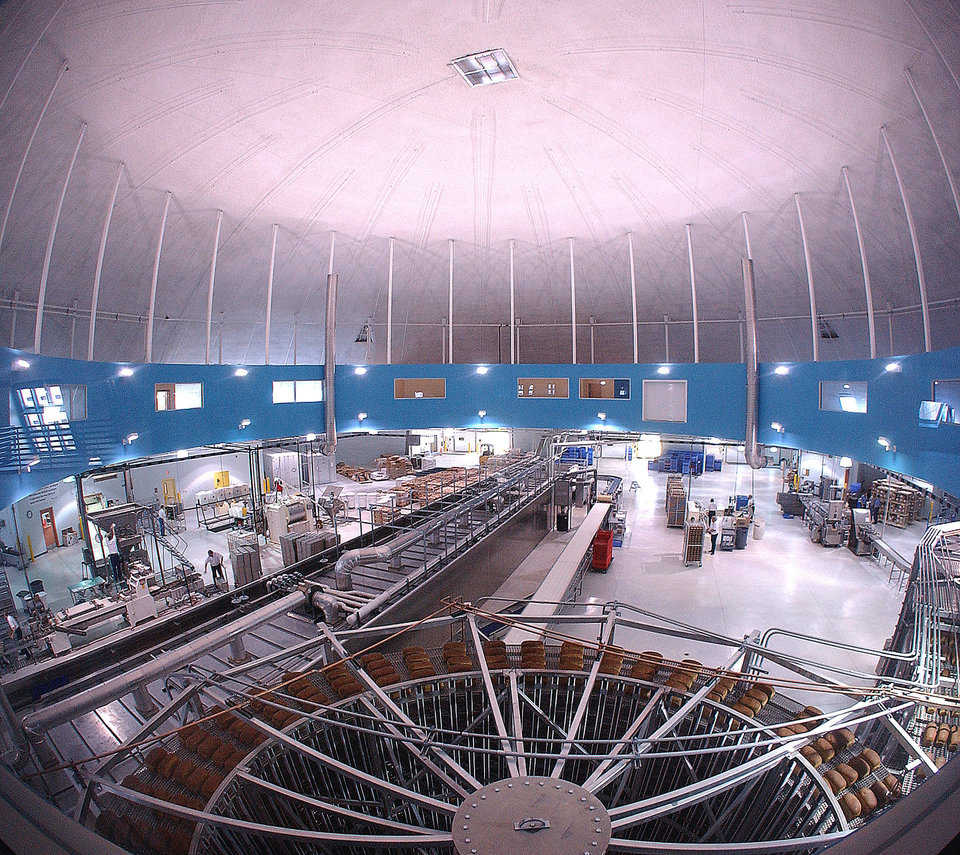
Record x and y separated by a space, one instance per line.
685 462
577 454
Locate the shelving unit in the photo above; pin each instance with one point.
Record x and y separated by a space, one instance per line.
900 503
676 502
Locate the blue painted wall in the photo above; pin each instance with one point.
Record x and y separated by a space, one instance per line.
118 406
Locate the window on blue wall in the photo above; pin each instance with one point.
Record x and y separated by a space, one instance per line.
47 413
178 396
297 391
948 392
843 396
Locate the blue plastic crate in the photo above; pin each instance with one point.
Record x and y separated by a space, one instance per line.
617 541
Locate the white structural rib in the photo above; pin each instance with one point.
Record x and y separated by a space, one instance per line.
911 225
633 296
390 302
213 274
48 252
746 234
693 296
273 263
573 306
814 336
450 308
513 307
156 273
95 297
867 289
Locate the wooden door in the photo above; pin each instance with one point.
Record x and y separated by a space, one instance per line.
49 526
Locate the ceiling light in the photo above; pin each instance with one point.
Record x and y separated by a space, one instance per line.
845 463
883 441
781 370
361 416
182 453
777 426
310 437
482 369
663 369
126 372
485 67
241 372
21 363
846 385
360 369
481 413
892 366
602 416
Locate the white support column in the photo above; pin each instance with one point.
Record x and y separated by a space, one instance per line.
390 304
156 273
95 297
573 306
666 338
633 297
213 274
73 325
273 262
693 296
593 344
746 235
450 309
921 280
13 319
33 47
936 141
333 247
867 289
814 338
740 332
26 153
513 308
48 252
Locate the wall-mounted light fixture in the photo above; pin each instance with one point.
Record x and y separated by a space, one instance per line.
885 443
310 437
245 423
361 417
602 416
845 463
777 427
130 437
781 370
22 364
663 369
482 369
126 371
360 369
892 367
241 372
481 413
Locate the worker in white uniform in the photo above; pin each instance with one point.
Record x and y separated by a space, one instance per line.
215 563
113 555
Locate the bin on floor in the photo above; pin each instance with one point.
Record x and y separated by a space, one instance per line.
741 541
602 550
759 526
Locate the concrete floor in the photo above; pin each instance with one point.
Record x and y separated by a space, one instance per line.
783 580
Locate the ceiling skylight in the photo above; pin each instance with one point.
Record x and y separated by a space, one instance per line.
486 67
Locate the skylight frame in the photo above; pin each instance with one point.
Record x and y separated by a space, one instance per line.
486 67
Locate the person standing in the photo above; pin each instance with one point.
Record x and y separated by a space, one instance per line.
712 510
215 563
713 530
162 521
875 510
113 555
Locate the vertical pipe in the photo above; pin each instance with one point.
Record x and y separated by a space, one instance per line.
26 153
13 320
333 246
95 297
867 290
273 262
666 338
693 296
390 304
890 325
443 340
633 297
48 252
814 339
296 320
450 308
73 326
220 341
593 322
746 235
213 274
330 366
740 331
921 280
750 447
513 307
519 324
156 273
573 305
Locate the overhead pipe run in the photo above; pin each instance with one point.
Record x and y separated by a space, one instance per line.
751 450
330 365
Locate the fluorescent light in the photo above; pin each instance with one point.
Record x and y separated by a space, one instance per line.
360 369
310 437
777 426
361 416
892 366
132 437
182 453
781 370
241 372
663 369
485 67
883 441
845 463
481 413
482 369
126 372
601 416
21 363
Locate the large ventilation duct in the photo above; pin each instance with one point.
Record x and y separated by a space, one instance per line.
751 449
330 365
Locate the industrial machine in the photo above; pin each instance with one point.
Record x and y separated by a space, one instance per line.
862 532
137 599
290 514
827 520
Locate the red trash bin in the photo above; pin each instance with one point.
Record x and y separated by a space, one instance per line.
602 549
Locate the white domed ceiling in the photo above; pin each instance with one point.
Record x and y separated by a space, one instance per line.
633 118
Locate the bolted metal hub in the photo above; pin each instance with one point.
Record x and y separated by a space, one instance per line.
535 816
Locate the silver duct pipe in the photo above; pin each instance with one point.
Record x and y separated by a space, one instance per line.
345 563
330 365
751 450
17 737
42 720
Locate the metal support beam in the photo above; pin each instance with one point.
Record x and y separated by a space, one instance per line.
814 335
213 274
145 704
48 252
513 307
390 303
273 262
516 724
746 235
936 141
450 308
95 297
867 289
911 225
73 326
156 273
26 153
633 297
693 296
573 306
13 319
666 338
238 653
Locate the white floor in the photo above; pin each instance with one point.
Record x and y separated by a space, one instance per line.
783 580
